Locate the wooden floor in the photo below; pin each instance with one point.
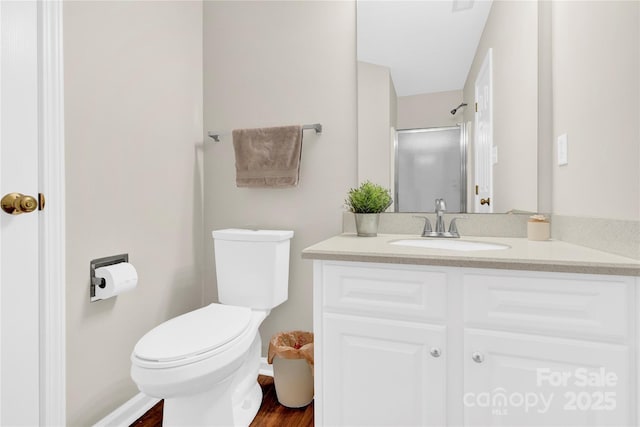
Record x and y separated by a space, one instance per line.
271 413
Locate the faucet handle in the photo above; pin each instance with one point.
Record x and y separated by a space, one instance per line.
427 223
441 205
453 227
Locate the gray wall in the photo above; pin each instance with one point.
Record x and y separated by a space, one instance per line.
512 32
429 110
280 63
377 114
596 95
133 107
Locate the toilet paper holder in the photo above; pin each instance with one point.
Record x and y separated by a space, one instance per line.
102 262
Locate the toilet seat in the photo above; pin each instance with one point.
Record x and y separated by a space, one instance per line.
192 336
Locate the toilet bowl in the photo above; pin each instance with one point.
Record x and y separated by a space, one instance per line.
205 363
196 359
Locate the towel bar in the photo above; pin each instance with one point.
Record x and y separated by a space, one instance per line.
316 126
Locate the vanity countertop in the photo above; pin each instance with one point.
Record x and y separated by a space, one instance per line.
523 254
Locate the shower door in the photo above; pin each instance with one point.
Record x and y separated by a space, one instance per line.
430 164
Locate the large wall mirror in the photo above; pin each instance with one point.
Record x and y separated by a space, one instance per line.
447 103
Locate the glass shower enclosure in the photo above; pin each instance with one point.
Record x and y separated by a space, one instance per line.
430 164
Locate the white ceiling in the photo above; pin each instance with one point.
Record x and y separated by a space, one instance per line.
428 46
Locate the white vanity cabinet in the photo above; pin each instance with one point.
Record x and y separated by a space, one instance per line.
548 348
409 345
530 380
380 345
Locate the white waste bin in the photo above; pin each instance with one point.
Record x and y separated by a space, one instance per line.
292 356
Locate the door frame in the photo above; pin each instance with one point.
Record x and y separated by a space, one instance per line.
52 219
485 68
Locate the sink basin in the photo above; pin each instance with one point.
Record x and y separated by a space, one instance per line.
451 245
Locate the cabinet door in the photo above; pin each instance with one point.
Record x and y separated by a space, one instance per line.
526 380
381 372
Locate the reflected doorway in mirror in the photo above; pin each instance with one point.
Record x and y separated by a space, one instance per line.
483 141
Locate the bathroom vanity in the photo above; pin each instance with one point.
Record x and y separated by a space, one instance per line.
541 333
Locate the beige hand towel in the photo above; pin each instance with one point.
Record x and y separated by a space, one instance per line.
268 157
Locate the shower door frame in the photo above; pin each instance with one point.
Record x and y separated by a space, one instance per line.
463 162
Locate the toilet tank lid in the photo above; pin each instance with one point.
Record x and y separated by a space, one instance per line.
252 235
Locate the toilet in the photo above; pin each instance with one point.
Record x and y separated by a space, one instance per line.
204 363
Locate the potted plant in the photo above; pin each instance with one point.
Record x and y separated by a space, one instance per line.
366 202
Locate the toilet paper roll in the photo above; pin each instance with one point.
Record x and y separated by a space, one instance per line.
119 278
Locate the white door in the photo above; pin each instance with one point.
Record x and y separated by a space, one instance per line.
19 297
483 137
381 372
528 380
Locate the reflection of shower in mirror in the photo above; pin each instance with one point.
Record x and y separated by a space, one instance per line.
430 164
455 110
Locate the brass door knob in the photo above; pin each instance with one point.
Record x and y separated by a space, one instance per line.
16 203
486 201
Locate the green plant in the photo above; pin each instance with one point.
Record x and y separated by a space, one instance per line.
368 198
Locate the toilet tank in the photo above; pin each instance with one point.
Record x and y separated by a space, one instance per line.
252 267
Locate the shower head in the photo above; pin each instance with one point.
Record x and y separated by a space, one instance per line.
455 110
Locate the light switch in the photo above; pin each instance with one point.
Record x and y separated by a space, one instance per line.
563 156
494 155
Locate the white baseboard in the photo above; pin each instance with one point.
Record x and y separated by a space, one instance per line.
265 368
129 412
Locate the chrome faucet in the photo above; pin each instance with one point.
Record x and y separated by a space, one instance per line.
441 207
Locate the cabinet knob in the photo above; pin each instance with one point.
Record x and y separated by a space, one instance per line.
477 357
435 352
